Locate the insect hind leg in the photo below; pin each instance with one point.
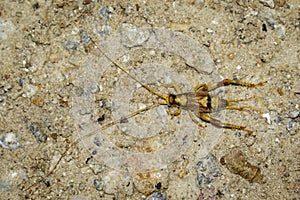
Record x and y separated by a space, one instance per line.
227 82
220 124
231 105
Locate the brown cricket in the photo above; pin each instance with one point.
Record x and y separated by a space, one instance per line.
199 102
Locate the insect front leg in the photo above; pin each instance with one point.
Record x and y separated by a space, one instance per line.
173 85
174 111
220 124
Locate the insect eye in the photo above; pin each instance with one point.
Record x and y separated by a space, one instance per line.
172 98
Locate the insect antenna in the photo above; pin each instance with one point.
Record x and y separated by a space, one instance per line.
128 74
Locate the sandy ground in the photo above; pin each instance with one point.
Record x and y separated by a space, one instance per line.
46 45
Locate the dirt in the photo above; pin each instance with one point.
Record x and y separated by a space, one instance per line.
46 45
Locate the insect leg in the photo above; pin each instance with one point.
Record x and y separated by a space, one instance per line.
202 87
230 105
175 86
227 82
194 119
174 111
218 123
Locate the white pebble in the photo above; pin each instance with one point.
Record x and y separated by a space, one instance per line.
10 141
268 3
30 90
267 116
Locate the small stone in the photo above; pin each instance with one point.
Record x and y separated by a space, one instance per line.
268 117
291 124
156 196
55 57
201 166
81 186
280 31
6 27
71 45
115 182
145 182
30 90
268 3
10 141
104 13
208 169
85 37
94 89
238 67
280 3
39 135
20 82
103 31
98 184
278 120
200 179
39 101
79 198
294 114
132 36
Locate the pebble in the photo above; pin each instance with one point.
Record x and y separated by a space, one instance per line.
280 31
10 141
156 196
5 28
294 114
20 82
98 184
39 135
280 3
291 124
29 90
85 37
71 45
104 13
132 36
207 170
55 57
202 179
268 3
103 31
238 67
94 89
147 182
268 117
115 182
9 180
79 198
278 120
